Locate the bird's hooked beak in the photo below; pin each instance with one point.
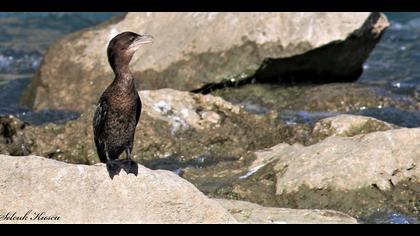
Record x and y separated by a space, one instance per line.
140 40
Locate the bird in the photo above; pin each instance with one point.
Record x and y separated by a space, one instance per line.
119 107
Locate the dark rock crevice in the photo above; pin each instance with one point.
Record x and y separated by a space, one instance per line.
337 61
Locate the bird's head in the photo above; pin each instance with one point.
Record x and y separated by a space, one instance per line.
122 47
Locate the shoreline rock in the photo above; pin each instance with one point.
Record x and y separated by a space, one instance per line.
356 175
204 139
86 194
39 190
349 125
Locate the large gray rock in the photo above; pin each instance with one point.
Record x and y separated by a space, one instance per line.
86 194
381 158
195 49
356 175
250 213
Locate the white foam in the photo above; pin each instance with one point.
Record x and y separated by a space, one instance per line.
251 171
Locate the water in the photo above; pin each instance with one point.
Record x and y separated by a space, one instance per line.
381 217
402 118
394 61
24 38
299 117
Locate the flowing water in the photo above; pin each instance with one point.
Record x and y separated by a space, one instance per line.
24 38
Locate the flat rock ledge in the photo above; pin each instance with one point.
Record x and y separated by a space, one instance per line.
40 190
86 194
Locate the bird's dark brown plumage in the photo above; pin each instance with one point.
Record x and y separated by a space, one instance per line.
119 107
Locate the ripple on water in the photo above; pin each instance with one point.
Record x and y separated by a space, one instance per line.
394 60
393 115
388 218
409 119
304 117
17 61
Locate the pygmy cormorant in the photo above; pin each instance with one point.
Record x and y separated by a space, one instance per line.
119 107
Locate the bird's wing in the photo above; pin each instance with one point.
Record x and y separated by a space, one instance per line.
138 109
100 117
99 127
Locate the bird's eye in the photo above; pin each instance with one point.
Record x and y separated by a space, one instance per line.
132 38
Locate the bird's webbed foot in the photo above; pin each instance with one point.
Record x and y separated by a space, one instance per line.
130 166
114 167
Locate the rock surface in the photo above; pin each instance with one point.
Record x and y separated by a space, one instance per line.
183 110
331 98
349 125
203 138
86 194
356 175
249 213
380 158
57 192
195 49
346 97
172 123
12 137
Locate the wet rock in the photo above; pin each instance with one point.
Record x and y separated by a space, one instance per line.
191 125
72 142
249 213
196 49
356 175
264 97
12 139
70 193
339 125
349 98
329 98
349 125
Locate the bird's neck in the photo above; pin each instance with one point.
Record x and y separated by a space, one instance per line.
123 77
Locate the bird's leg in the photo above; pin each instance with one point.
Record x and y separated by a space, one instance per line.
107 155
111 166
128 153
132 166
